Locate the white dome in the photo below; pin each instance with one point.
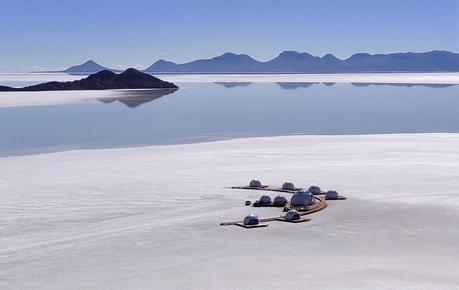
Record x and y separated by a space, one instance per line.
255 183
251 220
331 194
301 198
314 189
265 199
280 200
288 186
292 215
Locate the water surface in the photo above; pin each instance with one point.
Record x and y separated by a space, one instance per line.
211 111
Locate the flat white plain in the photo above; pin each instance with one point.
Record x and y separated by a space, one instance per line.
148 217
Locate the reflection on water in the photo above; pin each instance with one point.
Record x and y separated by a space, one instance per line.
233 84
297 85
135 98
293 86
403 85
206 111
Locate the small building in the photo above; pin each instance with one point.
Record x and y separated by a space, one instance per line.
314 189
265 200
255 183
280 200
292 215
251 220
288 186
331 194
301 198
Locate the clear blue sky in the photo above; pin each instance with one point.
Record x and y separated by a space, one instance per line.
50 34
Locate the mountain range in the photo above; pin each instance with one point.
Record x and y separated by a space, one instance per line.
297 62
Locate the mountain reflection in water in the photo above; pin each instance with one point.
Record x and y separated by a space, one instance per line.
229 85
298 85
135 98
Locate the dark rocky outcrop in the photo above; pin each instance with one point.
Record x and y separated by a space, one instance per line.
103 80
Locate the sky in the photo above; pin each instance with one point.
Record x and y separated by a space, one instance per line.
47 34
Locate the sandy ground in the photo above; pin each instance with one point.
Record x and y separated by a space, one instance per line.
147 218
10 99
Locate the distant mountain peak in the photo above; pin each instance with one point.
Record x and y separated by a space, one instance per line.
290 53
232 55
131 70
91 62
329 56
89 66
360 55
163 61
229 54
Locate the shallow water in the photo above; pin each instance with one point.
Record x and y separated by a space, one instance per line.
211 111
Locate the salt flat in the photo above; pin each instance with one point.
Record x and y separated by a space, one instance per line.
147 218
395 78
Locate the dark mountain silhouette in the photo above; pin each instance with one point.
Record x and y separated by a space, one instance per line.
292 61
296 62
103 80
87 68
228 62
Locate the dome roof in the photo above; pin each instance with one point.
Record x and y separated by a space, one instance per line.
251 220
265 199
331 194
255 183
292 215
280 200
288 186
301 198
314 189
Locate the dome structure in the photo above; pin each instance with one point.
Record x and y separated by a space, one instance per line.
331 194
280 200
251 220
314 189
301 198
255 183
292 215
265 199
288 186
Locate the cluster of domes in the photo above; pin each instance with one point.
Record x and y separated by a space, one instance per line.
265 200
301 202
